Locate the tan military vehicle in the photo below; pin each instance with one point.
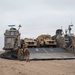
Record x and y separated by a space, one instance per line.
30 42
45 40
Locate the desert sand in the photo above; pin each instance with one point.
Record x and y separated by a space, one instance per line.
46 67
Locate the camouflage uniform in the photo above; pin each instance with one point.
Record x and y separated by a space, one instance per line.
27 54
20 54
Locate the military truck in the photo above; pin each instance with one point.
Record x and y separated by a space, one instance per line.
45 41
29 42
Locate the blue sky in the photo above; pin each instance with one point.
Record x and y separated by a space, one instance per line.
36 16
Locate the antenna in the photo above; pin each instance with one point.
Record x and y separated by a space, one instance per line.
19 27
62 30
69 28
61 27
66 31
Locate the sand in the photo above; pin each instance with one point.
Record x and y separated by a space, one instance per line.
47 67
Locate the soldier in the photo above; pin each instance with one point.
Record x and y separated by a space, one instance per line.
27 54
20 54
23 47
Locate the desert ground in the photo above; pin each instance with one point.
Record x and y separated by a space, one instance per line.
38 67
